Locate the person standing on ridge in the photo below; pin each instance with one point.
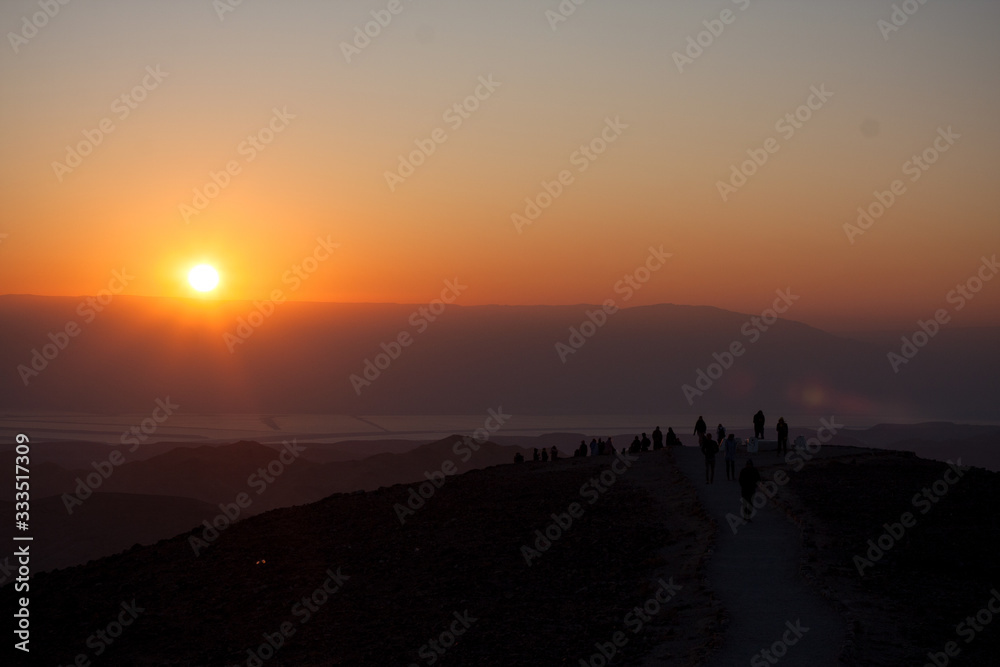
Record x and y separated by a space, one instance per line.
758 425
749 479
782 436
700 428
709 448
720 433
657 439
731 458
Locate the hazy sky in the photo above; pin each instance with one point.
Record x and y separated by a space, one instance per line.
209 78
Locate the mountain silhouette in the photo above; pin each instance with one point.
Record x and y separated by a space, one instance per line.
302 358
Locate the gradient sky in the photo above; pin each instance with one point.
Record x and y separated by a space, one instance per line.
324 174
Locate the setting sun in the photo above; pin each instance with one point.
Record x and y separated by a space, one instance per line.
203 278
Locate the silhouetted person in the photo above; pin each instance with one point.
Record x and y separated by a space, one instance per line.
709 448
782 429
610 446
720 433
602 448
545 454
581 450
518 458
635 446
555 453
731 458
657 439
749 479
593 447
758 425
700 429
536 456
645 443
672 439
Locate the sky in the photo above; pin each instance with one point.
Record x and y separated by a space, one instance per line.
266 139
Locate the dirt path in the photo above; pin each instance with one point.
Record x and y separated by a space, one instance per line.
754 572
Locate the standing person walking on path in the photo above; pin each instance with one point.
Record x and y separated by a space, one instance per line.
758 425
749 479
700 429
731 458
709 448
782 436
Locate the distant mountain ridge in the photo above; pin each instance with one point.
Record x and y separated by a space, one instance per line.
273 477
303 356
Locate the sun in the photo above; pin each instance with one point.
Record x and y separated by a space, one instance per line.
203 278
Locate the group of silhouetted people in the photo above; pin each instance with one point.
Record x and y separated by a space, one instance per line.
543 456
596 448
749 477
602 447
721 443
